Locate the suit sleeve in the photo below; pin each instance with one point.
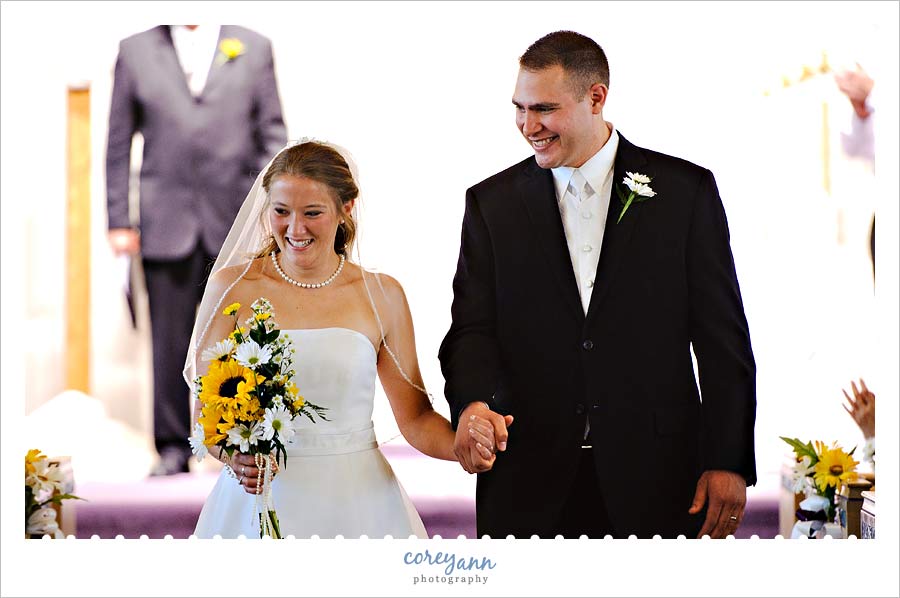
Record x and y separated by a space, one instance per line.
469 354
271 133
721 339
123 122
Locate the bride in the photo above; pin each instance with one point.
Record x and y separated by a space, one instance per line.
290 244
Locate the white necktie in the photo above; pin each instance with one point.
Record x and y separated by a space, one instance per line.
579 187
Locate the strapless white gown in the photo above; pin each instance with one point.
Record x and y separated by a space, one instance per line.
336 481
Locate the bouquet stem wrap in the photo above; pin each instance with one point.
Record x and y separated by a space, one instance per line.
268 519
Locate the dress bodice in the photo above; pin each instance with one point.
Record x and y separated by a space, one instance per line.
336 369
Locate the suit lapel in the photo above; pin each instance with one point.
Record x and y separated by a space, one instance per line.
616 237
167 58
539 196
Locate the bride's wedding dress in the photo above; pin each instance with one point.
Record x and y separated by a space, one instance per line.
336 481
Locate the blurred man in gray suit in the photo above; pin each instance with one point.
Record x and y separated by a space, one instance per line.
205 100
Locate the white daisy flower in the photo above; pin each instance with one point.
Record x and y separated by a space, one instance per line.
801 475
250 354
278 420
262 305
219 350
644 190
43 521
639 188
637 177
46 477
196 440
55 476
242 436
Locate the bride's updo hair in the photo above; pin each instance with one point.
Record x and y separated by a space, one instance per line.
324 164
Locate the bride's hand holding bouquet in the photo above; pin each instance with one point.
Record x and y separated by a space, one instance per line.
248 402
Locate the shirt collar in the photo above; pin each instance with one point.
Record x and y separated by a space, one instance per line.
201 34
595 170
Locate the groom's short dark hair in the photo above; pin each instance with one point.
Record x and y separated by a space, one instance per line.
581 57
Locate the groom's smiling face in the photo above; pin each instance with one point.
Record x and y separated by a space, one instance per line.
561 126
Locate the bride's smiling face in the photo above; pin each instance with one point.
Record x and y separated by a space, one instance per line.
304 217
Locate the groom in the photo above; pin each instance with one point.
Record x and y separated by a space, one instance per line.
578 318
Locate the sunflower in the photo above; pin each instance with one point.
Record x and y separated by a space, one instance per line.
248 408
225 422
835 467
225 382
209 419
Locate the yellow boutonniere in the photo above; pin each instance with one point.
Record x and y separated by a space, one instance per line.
230 48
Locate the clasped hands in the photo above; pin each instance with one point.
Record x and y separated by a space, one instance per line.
481 433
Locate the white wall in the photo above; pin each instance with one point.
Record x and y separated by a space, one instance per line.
420 92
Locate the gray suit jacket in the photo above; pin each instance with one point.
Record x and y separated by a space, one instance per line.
201 155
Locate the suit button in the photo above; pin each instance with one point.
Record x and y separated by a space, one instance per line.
579 408
587 345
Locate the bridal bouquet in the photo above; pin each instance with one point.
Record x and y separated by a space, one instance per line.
248 400
44 485
819 472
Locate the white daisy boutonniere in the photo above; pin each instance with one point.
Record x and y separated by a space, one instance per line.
638 190
229 49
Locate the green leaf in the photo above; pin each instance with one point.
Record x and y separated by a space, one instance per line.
621 194
802 449
58 498
257 336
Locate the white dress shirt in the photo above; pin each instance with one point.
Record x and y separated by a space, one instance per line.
584 220
196 50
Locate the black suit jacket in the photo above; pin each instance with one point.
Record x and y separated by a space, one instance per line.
521 342
201 155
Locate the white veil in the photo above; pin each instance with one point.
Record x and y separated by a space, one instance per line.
248 235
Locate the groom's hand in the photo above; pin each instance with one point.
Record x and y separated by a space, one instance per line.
726 492
479 435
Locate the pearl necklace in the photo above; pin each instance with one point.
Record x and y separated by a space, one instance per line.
307 285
